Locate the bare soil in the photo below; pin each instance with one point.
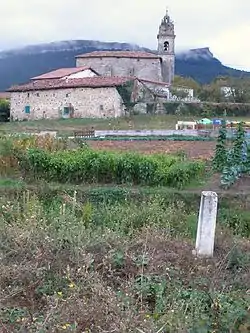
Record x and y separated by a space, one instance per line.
193 149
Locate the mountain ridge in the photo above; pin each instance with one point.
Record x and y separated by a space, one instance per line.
19 65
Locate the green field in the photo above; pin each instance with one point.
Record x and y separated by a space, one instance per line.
100 241
67 126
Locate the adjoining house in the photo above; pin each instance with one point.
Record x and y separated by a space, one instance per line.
67 97
68 73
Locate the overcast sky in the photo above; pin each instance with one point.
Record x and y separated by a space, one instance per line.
223 25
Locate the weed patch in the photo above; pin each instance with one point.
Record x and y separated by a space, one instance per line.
125 267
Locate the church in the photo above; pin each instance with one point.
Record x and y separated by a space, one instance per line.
158 66
91 89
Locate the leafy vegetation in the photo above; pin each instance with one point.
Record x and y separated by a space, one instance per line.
232 162
207 109
125 92
85 165
174 137
220 157
4 110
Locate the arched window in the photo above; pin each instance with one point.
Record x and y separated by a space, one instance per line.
166 46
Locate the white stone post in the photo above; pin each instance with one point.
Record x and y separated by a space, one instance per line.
206 224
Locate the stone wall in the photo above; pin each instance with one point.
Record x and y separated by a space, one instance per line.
87 102
168 68
149 69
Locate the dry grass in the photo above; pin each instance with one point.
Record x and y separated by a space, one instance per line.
66 127
63 273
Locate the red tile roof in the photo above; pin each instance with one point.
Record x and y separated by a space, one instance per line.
90 82
119 54
60 73
4 95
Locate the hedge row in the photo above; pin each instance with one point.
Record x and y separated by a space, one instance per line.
208 110
152 138
88 166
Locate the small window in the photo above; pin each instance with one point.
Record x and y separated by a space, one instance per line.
166 46
66 111
67 95
27 109
101 108
28 95
131 72
38 94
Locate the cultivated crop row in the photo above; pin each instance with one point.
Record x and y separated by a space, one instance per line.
88 166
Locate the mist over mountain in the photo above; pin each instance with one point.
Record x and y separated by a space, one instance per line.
19 65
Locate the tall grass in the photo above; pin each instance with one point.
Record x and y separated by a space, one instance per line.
80 267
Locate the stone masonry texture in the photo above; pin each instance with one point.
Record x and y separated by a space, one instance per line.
148 69
87 102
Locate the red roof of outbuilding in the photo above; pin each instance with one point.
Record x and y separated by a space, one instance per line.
89 82
119 54
60 73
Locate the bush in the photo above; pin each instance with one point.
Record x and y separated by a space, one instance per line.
86 165
174 137
4 110
208 110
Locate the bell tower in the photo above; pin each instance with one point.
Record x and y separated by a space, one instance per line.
166 48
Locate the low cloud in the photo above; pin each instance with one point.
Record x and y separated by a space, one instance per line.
221 25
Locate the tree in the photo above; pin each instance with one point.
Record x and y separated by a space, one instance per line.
239 89
211 93
125 90
180 93
186 82
4 110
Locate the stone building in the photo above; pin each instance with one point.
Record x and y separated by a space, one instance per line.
158 66
91 88
96 97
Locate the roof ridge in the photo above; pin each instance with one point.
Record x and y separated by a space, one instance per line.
119 53
61 72
91 82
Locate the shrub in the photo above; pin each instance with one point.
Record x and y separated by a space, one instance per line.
207 109
4 110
